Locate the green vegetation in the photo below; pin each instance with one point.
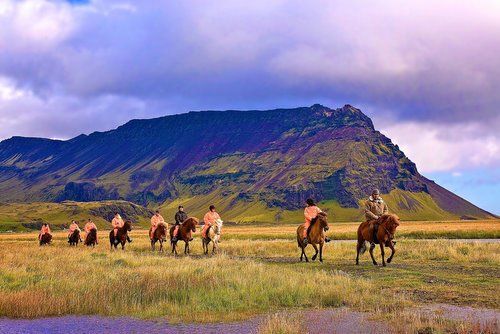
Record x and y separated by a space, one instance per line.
249 277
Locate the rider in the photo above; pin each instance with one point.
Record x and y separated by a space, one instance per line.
310 212
72 228
375 207
209 219
118 222
156 220
180 217
45 230
88 227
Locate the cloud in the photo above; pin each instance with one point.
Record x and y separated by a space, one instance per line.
434 147
427 72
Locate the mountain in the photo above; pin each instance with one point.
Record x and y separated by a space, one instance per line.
254 165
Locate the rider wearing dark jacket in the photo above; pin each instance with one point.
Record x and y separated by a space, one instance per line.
180 217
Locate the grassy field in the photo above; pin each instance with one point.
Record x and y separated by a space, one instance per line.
257 272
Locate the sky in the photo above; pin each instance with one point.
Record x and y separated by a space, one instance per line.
427 72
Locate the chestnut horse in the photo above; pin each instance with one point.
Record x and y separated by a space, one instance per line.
187 228
213 236
91 238
159 235
45 239
121 236
74 238
387 225
316 236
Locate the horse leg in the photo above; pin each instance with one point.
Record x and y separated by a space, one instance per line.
304 252
152 245
315 254
358 249
321 252
372 246
382 252
391 246
185 248
214 247
161 245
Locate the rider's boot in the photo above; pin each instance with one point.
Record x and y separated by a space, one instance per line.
327 239
128 239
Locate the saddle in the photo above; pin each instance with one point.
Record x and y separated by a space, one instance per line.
313 221
375 232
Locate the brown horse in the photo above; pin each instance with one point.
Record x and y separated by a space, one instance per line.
45 239
91 238
74 238
316 236
159 235
121 236
187 228
384 236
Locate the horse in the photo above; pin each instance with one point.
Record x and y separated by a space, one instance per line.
315 236
91 238
387 225
45 239
74 238
159 235
121 236
213 236
187 228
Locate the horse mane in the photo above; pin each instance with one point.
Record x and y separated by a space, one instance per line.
390 219
191 221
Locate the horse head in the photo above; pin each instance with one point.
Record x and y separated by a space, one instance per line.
218 226
391 221
323 221
128 225
191 223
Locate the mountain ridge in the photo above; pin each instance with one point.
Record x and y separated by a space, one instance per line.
273 157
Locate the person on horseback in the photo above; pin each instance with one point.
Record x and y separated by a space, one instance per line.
180 217
118 222
209 219
88 227
374 208
72 228
310 212
156 220
44 230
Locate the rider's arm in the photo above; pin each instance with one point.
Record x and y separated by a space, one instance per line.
368 213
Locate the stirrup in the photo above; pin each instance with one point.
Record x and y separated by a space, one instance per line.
305 241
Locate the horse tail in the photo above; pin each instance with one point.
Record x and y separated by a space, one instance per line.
362 249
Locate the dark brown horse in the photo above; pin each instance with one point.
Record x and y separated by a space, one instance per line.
91 238
45 239
160 235
74 238
185 233
121 236
387 225
315 236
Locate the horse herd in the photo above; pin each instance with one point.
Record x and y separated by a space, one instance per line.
380 231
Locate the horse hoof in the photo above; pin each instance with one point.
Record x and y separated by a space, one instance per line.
389 260
375 263
383 264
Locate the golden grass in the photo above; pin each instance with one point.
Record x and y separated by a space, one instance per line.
249 277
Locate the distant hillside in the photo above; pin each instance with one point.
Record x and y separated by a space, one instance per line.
18 217
254 165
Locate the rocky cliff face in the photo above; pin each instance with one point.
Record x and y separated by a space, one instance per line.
277 157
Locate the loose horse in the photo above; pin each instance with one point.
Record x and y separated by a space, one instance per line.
387 225
185 232
91 238
121 236
160 235
45 239
316 236
213 236
74 238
